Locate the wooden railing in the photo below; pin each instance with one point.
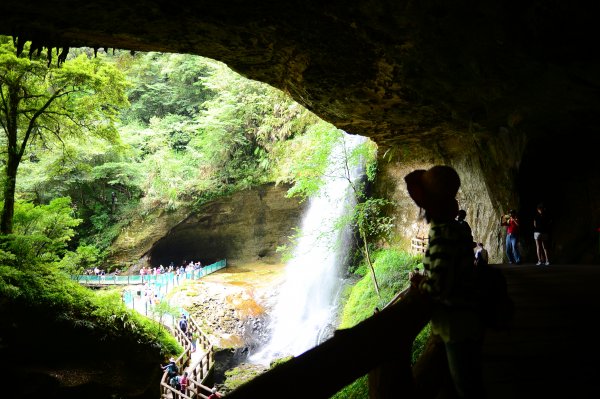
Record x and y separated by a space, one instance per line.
418 245
380 346
197 372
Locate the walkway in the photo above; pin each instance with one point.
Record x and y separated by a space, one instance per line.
164 279
144 299
553 350
198 364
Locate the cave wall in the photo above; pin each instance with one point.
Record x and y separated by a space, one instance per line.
475 157
506 171
244 227
563 175
388 69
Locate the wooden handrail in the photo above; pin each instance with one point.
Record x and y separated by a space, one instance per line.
418 245
383 339
199 370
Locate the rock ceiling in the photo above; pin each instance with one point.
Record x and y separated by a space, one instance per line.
393 70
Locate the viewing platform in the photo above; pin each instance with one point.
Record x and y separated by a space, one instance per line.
162 278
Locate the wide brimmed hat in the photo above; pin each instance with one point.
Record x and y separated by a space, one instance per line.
438 184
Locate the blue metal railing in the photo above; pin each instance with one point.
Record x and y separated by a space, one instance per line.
166 279
151 289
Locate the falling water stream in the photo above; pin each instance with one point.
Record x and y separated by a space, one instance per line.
306 308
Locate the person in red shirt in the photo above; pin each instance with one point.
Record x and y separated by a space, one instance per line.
184 382
511 221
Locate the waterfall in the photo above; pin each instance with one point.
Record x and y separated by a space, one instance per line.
306 307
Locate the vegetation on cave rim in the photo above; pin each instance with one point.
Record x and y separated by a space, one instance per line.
392 268
33 275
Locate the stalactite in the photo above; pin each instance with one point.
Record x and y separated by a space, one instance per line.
20 45
63 55
49 56
36 48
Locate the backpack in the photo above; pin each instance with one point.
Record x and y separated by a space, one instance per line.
496 307
174 382
173 370
183 325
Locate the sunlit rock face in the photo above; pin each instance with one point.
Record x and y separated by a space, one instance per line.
244 227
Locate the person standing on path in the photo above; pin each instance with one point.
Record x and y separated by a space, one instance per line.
511 221
184 382
171 368
183 324
194 339
461 218
481 255
541 231
449 278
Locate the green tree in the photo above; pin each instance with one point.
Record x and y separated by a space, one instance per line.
85 257
39 101
241 125
200 130
102 179
164 84
368 217
371 225
41 233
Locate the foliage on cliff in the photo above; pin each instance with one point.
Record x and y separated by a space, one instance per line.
44 105
37 296
392 268
33 275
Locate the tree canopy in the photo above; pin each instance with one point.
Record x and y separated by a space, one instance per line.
42 104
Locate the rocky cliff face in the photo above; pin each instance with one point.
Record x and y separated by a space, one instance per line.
502 172
483 198
244 227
